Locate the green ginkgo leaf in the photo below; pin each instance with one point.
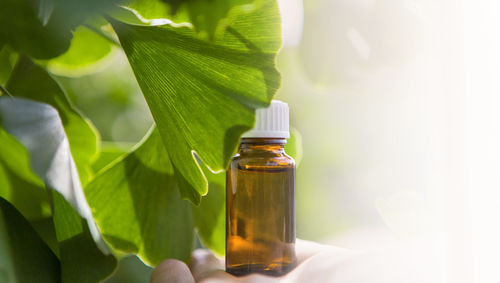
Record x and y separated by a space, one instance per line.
137 206
202 94
31 81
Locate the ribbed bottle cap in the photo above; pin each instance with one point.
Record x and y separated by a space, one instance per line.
271 122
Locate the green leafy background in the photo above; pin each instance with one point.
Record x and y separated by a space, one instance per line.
201 82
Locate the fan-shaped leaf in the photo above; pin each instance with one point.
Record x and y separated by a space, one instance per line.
203 94
137 205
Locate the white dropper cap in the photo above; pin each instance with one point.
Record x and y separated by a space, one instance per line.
270 122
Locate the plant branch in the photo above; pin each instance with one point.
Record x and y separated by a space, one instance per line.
101 33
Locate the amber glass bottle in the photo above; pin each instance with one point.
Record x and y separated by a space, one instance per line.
260 199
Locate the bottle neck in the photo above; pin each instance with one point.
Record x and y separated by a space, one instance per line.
255 145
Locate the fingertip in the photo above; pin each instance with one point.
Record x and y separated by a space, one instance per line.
172 271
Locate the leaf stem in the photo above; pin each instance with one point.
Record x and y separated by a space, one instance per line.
101 33
4 90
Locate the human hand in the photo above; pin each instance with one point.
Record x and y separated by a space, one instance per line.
312 259
407 262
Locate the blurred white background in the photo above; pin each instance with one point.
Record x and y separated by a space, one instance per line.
397 103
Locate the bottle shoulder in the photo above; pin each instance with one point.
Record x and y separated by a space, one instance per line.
272 160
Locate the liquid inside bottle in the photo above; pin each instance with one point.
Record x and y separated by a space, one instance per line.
260 210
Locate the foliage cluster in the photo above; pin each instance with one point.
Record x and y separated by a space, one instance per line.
203 67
